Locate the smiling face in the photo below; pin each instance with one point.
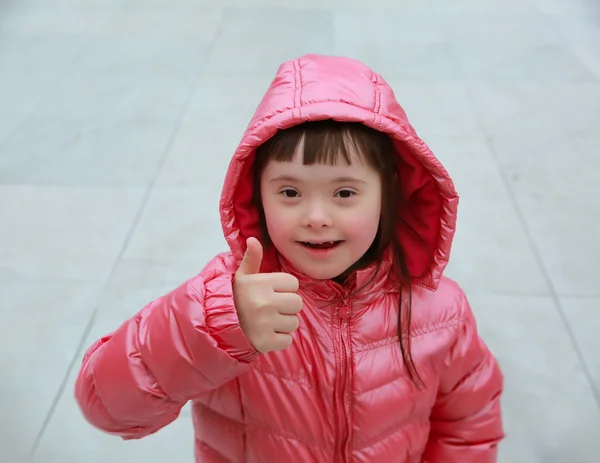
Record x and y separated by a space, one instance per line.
322 218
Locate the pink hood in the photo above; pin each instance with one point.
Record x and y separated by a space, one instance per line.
316 87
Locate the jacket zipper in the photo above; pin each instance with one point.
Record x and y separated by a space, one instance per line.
342 449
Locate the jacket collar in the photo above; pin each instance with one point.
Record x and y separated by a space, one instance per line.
363 285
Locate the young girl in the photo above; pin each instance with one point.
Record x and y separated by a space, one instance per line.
327 333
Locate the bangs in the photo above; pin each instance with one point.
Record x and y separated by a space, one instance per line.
323 142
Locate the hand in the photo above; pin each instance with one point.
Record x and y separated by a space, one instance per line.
267 303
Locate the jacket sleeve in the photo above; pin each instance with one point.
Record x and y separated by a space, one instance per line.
466 422
135 381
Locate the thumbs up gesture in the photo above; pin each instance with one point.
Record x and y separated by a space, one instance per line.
267 303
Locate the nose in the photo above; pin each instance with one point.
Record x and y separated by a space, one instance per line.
316 215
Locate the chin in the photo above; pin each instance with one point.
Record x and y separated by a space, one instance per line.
322 274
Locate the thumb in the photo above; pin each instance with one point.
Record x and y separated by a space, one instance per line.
252 258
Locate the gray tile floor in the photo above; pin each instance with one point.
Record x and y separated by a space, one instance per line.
117 121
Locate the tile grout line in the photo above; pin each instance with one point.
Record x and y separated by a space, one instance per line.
570 45
536 253
551 289
136 220
525 227
53 80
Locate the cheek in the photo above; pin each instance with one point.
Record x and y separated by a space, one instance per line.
363 225
278 224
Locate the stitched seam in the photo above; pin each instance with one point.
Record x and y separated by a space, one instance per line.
377 102
414 334
300 382
209 447
154 383
379 386
353 374
100 402
300 89
190 360
278 434
377 106
395 340
388 433
377 344
243 414
295 92
480 367
430 329
155 394
228 421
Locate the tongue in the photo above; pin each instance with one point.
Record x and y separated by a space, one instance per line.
323 245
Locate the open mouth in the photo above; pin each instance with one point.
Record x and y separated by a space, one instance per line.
321 245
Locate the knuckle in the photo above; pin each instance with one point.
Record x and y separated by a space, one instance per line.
263 324
259 303
261 343
296 323
241 283
298 303
283 345
291 279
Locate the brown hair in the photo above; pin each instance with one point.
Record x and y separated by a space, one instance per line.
324 142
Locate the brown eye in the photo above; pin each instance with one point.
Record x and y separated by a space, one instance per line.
345 193
289 193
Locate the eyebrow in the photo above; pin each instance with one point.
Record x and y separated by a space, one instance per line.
289 178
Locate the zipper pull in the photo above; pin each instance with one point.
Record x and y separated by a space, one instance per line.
345 310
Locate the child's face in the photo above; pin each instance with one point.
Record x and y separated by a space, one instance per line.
321 218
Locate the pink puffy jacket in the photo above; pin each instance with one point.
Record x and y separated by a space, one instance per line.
340 393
